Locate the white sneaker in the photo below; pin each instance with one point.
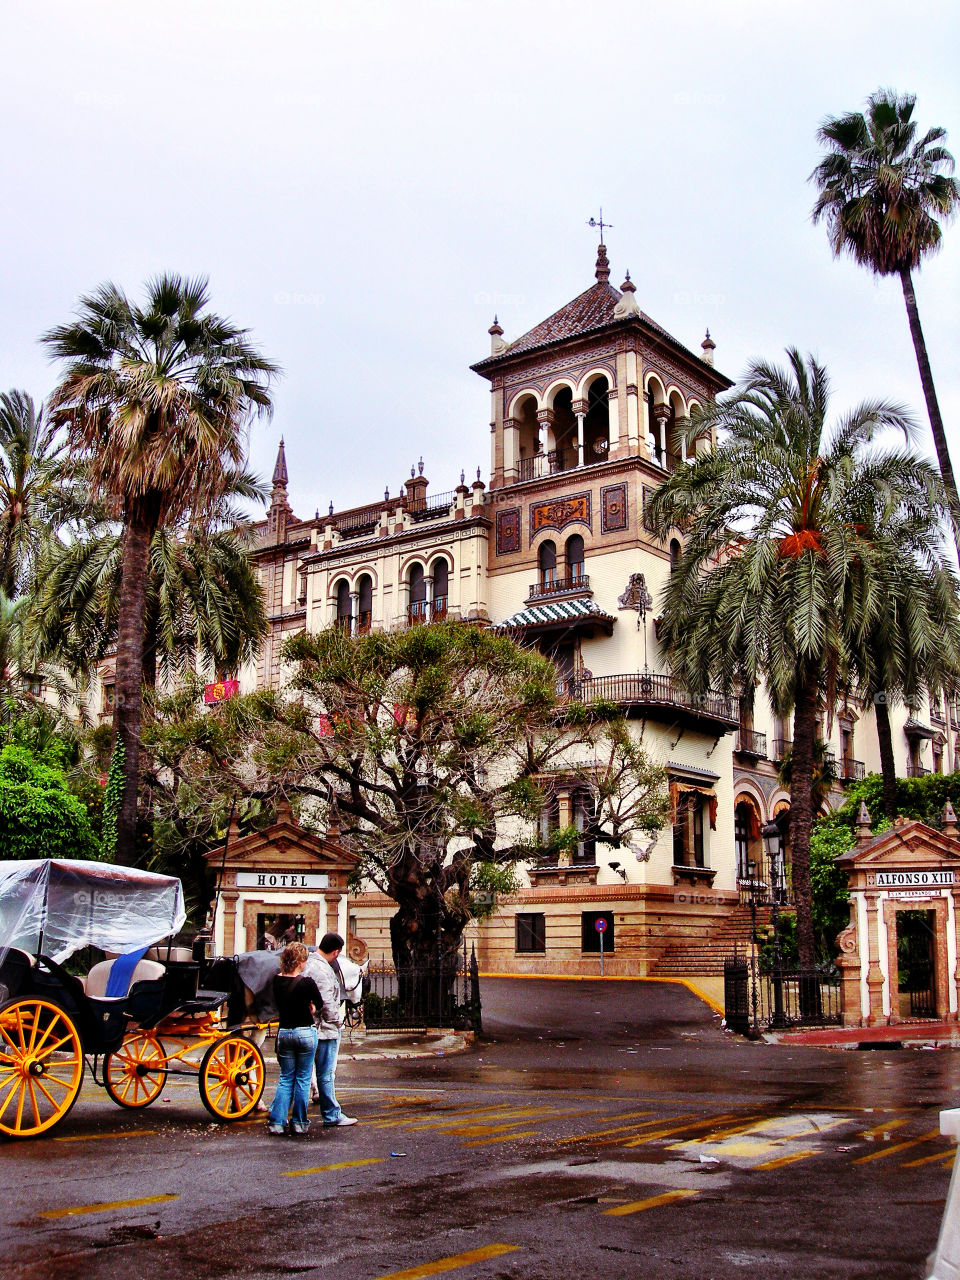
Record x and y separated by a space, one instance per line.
342 1122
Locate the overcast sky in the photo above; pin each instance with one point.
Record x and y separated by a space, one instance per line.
366 183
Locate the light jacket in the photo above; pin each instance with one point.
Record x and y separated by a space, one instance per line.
330 1016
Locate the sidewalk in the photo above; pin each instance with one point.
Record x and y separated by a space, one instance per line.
937 1035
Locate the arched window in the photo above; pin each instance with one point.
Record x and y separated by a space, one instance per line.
548 563
596 425
441 585
674 554
749 846
343 604
418 594
574 552
365 602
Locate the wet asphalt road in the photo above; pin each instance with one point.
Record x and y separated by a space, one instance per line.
605 1129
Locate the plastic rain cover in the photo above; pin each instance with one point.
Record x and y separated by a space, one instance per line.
79 904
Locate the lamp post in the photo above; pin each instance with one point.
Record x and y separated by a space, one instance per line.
773 847
754 883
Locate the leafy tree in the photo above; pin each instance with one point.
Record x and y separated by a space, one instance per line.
432 748
881 191
155 400
773 574
39 815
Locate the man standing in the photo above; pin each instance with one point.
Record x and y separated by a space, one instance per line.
323 968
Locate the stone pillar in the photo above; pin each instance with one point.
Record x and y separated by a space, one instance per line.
875 978
511 449
332 901
580 417
229 899
661 414
849 965
545 421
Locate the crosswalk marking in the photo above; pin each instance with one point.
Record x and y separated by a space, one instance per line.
452 1263
638 1206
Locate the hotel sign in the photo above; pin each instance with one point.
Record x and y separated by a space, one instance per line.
913 879
282 880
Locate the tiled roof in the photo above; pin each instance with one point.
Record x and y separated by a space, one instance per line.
591 310
539 615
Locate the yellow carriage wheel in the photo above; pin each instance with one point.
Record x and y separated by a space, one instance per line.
134 1075
41 1067
232 1076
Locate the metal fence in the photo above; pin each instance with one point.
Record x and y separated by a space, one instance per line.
415 999
772 1000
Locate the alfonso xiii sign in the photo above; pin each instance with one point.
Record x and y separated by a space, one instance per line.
912 879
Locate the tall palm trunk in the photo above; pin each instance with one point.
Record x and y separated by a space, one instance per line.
929 393
131 624
801 812
888 764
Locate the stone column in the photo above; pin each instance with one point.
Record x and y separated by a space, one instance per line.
229 899
875 979
332 901
354 612
661 414
580 418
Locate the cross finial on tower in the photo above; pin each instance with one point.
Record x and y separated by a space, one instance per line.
599 222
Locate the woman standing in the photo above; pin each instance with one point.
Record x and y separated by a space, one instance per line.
296 998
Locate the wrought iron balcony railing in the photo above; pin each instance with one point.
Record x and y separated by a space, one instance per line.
652 689
852 770
781 747
917 771
751 743
577 584
546 464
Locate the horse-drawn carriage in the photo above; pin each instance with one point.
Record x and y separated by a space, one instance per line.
136 1018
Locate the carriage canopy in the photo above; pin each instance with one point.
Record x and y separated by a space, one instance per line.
59 906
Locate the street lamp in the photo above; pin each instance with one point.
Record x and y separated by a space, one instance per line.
773 847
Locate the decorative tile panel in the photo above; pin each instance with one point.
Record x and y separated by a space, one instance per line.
613 508
508 531
559 512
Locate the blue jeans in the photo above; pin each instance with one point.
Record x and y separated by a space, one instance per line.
326 1070
296 1047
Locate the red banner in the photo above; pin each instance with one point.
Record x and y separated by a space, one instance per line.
220 690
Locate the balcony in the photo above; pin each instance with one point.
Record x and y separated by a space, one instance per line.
577 585
660 697
435 507
667 461
852 770
751 743
424 611
782 747
917 771
546 464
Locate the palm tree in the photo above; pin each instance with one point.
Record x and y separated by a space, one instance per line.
39 488
881 191
768 578
155 400
911 643
204 602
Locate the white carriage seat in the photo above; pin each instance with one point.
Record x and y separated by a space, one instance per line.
95 983
178 955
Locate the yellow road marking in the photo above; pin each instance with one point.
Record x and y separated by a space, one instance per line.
452 1263
782 1160
104 1206
325 1168
484 1142
897 1146
684 1128
99 1137
622 1128
514 1114
883 1128
638 1206
937 1155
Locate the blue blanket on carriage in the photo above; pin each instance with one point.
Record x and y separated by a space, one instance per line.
121 973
